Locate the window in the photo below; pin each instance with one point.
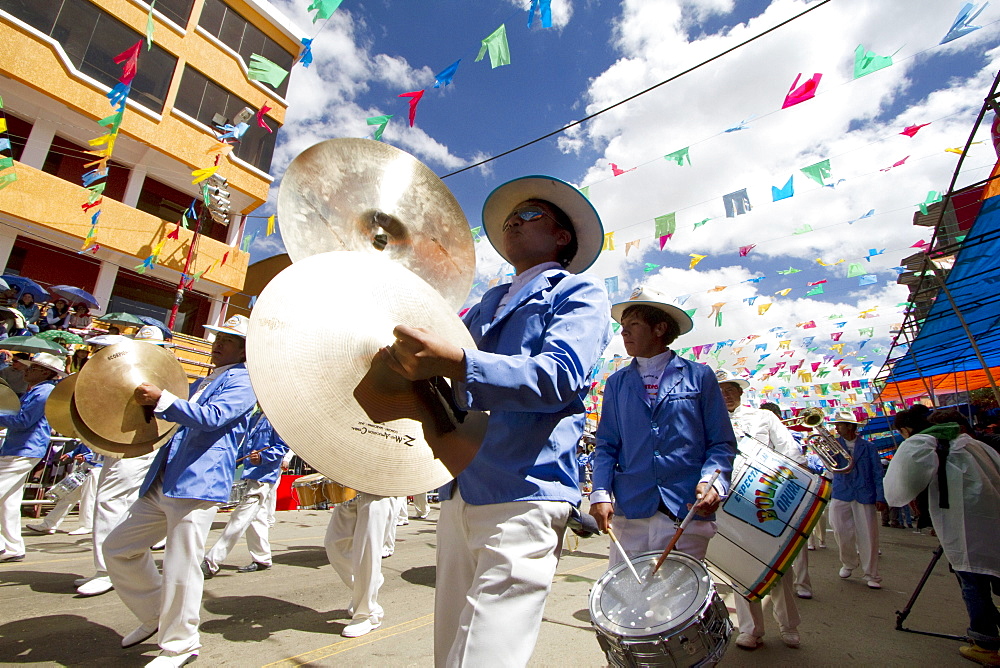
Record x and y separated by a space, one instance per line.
178 11
92 38
224 23
202 99
169 204
66 160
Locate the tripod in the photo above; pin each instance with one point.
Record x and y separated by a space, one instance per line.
901 615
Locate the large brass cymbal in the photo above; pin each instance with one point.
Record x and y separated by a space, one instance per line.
57 406
104 396
340 193
10 403
305 363
111 448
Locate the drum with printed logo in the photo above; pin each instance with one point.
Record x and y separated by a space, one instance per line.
772 507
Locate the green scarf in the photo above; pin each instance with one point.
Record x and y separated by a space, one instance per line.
947 431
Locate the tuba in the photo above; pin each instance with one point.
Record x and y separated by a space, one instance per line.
835 456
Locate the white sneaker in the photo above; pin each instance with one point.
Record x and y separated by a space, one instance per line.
748 641
845 572
95 587
356 629
81 531
140 634
40 527
171 660
873 584
802 592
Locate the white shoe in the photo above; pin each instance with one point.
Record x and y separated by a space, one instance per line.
356 629
81 531
402 523
845 572
79 581
748 641
141 634
40 528
171 660
873 584
802 592
96 586
386 554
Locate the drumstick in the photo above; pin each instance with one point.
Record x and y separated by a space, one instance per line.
614 539
683 525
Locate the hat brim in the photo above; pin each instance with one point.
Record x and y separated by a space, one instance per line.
739 382
845 421
586 222
225 330
683 320
61 373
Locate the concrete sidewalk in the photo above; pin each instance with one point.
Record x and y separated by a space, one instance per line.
293 613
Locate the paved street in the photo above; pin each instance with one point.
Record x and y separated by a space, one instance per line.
293 614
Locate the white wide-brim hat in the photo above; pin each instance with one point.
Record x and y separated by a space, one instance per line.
725 376
586 222
656 299
153 335
236 325
50 362
105 340
846 416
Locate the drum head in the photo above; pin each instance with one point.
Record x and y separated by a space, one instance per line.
661 603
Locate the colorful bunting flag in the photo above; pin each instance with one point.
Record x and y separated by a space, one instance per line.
414 101
818 172
695 259
816 290
630 244
798 94
150 26
609 242
444 77
611 285
650 267
783 293
790 270
898 163
745 250
784 192
306 58
867 279
871 212
262 69
911 130
270 225
679 157
932 197
701 222
381 122
544 8
962 25
324 8
804 229
736 203
855 269
866 62
496 44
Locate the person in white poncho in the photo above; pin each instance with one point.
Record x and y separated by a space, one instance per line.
965 510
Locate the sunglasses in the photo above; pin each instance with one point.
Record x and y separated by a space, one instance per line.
526 214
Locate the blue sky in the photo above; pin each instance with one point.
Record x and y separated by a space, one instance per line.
600 52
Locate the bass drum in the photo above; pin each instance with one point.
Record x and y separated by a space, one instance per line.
672 618
772 507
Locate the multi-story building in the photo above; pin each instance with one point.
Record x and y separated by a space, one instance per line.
56 67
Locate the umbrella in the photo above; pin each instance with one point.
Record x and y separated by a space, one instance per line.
121 318
69 337
23 284
75 295
159 324
32 344
12 318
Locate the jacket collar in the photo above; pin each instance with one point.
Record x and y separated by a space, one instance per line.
540 283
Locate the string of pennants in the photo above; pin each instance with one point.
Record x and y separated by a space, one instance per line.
7 173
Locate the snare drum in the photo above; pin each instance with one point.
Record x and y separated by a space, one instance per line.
772 507
673 618
309 490
335 493
67 485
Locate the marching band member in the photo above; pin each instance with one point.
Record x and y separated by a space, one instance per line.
264 452
655 473
27 441
190 476
354 543
118 482
502 520
857 495
762 426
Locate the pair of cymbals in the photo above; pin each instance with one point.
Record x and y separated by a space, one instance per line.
306 362
369 197
98 406
10 403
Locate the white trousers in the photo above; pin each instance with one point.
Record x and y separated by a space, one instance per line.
174 598
272 503
402 509
856 527
750 614
13 474
818 536
420 504
800 568
250 515
651 534
398 512
495 565
84 494
118 486
354 541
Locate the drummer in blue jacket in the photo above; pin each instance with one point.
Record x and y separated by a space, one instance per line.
190 476
502 520
664 431
262 453
27 441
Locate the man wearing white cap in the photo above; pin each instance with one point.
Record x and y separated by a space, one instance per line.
27 441
764 427
118 483
857 496
191 475
502 520
663 433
